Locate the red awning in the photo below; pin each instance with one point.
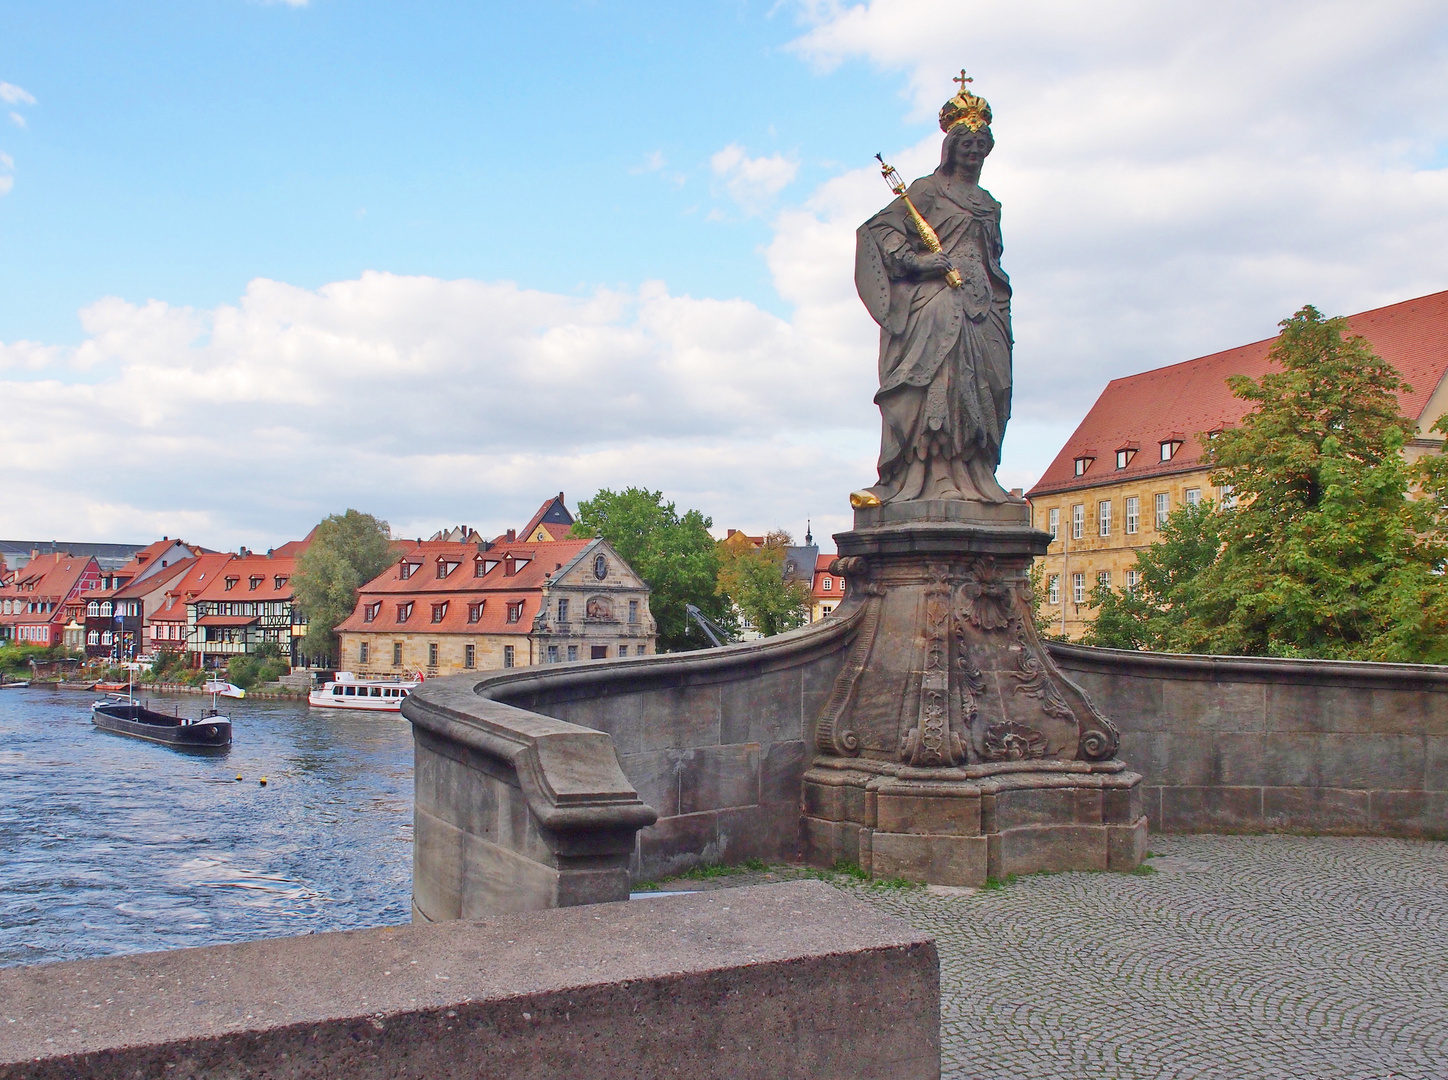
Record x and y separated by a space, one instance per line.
227 620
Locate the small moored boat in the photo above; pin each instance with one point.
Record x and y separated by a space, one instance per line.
122 714
347 691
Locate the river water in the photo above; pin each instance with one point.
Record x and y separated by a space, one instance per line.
112 845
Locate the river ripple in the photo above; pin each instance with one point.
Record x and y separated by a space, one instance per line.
112 845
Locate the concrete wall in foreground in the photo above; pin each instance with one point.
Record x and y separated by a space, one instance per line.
1251 744
793 980
716 741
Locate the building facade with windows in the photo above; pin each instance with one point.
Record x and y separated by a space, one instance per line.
827 590
248 602
1138 454
43 598
449 607
115 614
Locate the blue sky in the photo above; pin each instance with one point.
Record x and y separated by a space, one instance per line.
180 150
262 262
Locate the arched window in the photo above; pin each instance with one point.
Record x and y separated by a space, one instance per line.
93 609
106 609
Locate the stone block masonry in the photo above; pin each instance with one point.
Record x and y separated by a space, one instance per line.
788 980
1249 744
716 742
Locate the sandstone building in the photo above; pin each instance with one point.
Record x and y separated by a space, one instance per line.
447 607
1138 454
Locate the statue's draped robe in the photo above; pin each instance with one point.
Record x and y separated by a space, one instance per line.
945 354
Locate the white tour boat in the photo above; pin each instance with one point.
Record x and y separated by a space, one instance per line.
347 691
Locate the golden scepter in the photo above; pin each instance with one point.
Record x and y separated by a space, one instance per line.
927 234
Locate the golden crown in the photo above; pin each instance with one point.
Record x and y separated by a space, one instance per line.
964 108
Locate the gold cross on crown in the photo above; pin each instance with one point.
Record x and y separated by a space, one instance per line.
963 79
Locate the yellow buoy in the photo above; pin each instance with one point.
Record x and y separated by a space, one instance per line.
238 776
263 781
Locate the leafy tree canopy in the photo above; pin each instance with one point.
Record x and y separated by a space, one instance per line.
753 578
347 551
673 553
1322 553
1151 615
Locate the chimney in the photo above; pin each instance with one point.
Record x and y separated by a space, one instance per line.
512 536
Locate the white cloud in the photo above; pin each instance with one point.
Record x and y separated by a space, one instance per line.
13 95
419 399
1177 178
18 120
1174 181
753 183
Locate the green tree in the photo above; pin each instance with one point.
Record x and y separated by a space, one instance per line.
1323 554
753 579
673 553
1046 625
1151 615
347 551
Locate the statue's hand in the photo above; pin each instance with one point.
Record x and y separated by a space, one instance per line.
926 264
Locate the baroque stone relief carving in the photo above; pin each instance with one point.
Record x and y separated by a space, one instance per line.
978 686
932 741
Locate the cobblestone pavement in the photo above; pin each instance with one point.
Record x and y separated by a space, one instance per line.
1241 957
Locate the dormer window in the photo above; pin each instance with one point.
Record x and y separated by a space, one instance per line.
515 610
475 611
231 583
405 569
278 581
829 585
254 582
371 611
1083 463
446 567
485 566
439 611
404 611
1125 453
1170 445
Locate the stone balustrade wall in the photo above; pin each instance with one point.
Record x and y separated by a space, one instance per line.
1243 744
716 741
793 980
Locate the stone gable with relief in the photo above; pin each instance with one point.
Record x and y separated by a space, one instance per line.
594 607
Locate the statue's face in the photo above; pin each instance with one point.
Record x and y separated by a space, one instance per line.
968 149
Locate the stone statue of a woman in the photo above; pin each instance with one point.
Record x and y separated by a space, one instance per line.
945 351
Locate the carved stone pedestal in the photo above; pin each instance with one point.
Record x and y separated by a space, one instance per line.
952 749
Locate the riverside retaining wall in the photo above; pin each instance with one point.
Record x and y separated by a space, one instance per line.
1246 744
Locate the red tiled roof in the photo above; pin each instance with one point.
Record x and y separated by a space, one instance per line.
200 573
246 567
493 619
50 579
822 571
537 518
1192 398
148 555
543 558
293 548
148 585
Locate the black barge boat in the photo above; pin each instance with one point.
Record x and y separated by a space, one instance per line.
124 715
